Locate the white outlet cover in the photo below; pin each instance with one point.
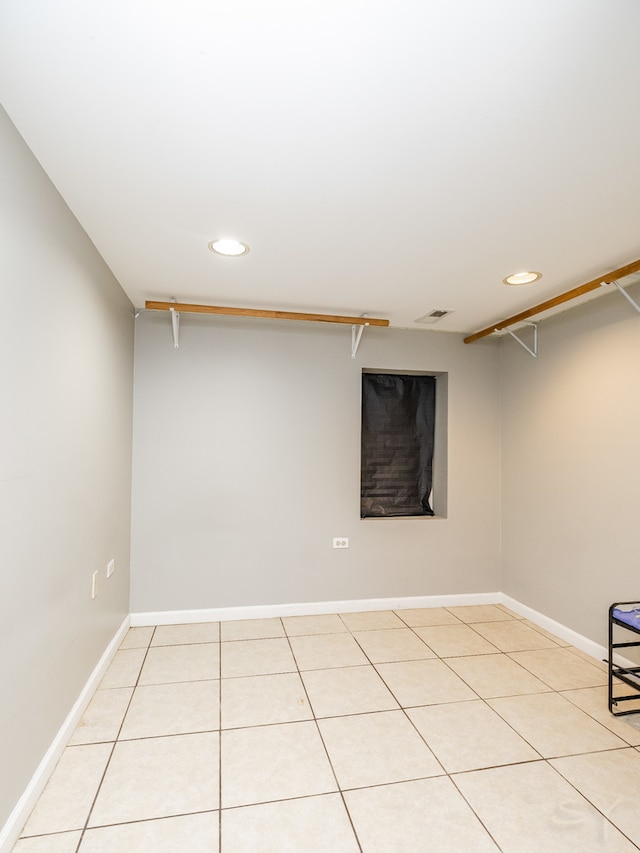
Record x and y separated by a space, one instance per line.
111 567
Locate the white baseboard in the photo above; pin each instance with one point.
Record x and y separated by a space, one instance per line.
591 648
313 608
11 830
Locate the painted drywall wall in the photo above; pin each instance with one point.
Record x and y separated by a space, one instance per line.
571 465
66 374
246 465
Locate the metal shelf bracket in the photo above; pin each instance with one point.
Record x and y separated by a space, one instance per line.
533 352
626 295
175 326
356 337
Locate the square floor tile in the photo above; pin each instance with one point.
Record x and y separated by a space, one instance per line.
124 669
611 782
313 825
251 629
417 617
65 842
513 636
137 638
599 664
372 620
194 833
270 763
350 690
481 613
298 626
424 682
66 800
455 640
469 736
560 669
428 814
104 715
261 700
395 644
256 657
159 777
173 709
553 726
176 635
376 749
167 664
325 651
545 633
595 702
496 675
528 808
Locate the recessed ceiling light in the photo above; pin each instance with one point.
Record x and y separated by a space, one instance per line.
227 246
522 277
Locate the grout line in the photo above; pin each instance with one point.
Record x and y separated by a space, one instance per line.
403 708
474 813
592 804
324 745
104 773
131 822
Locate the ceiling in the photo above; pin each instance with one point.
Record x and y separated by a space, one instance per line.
378 157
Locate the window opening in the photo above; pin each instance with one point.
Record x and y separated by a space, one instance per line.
397 442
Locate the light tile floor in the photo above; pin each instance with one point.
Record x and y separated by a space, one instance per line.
462 728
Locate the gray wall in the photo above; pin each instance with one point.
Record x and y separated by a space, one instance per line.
66 350
571 465
247 464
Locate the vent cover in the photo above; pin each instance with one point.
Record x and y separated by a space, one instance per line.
433 316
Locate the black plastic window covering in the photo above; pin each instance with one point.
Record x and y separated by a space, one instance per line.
398 423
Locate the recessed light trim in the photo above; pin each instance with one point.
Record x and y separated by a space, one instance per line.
522 278
228 247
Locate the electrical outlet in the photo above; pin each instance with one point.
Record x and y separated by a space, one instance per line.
341 542
94 584
111 567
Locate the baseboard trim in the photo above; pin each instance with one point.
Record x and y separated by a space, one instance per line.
590 648
11 830
313 608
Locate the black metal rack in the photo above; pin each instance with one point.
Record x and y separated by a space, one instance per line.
629 619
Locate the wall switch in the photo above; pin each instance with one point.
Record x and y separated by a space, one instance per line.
341 542
94 584
111 567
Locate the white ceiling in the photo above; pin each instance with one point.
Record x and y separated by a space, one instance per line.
377 156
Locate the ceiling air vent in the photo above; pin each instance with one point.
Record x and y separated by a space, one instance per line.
433 316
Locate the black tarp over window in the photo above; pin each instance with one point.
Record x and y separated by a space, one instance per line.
398 419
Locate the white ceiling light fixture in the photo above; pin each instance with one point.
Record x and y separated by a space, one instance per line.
228 247
522 278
